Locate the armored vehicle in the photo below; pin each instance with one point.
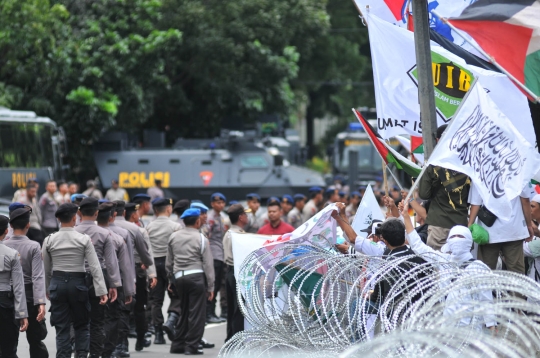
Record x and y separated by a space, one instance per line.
235 164
30 147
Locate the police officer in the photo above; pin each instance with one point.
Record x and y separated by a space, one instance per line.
64 256
48 206
144 206
12 296
117 314
101 239
312 206
294 217
143 270
159 232
287 203
235 319
218 224
189 264
179 208
34 280
256 215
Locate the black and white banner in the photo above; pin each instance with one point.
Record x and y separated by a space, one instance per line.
484 144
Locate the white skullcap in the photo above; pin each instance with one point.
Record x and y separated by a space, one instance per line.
536 198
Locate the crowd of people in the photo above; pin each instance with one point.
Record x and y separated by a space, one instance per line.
106 268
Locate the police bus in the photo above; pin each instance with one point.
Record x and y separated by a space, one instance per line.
30 147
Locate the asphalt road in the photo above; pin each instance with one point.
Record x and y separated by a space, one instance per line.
214 333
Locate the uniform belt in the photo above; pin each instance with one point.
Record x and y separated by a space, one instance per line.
28 286
186 272
6 294
69 274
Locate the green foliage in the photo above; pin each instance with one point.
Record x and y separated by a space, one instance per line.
93 66
318 164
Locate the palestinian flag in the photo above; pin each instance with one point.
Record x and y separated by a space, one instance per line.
509 31
387 153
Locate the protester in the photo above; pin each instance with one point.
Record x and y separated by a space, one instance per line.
276 226
448 191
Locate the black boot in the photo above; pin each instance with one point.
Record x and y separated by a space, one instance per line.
142 343
205 344
159 339
121 351
168 327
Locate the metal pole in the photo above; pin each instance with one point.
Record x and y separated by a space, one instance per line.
353 169
428 114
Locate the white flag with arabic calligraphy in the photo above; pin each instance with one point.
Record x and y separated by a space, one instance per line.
484 144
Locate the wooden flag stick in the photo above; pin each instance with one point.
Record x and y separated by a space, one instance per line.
385 177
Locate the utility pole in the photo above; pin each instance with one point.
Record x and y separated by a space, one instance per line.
428 114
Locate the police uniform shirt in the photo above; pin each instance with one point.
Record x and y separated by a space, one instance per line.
48 207
32 265
159 231
67 250
255 221
350 212
116 194
11 278
151 270
104 249
294 218
227 244
155 192
217 226
35 215
142 253
310 209
181 222
127 268
188 250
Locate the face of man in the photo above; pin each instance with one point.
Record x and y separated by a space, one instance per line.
335 197
144 209
274 214
51 187
73 188
114 185
63 188
203 217
254 205
218 205
134 218
31 193
286 207
535 210
355 200
243 220
300 204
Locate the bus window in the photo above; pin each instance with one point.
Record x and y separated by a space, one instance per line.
368 158
26 145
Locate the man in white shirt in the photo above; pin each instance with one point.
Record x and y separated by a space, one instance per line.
507 233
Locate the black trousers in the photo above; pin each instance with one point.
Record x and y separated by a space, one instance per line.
218 271
35 235
97 323
141 300
36 333
9 327
112 321
70 304
157 294
192 291
235 319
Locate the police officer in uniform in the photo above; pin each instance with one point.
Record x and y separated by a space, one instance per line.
294 218
312 206
235 319
143 273
190 265
179 208
12 296
144 206
218 224
64 255
159 232
101 239
256 219
117 314
34 280
143 264
287 204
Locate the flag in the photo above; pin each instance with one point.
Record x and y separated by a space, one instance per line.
387 153
408 144
482 143
368 210
398 12
396 90
509 31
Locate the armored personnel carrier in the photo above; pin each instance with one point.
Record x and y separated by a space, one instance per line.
236 163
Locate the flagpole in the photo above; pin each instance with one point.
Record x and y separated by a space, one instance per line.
385 176
533 95
393 176
426 163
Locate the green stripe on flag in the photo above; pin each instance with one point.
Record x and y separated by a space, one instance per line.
532 72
